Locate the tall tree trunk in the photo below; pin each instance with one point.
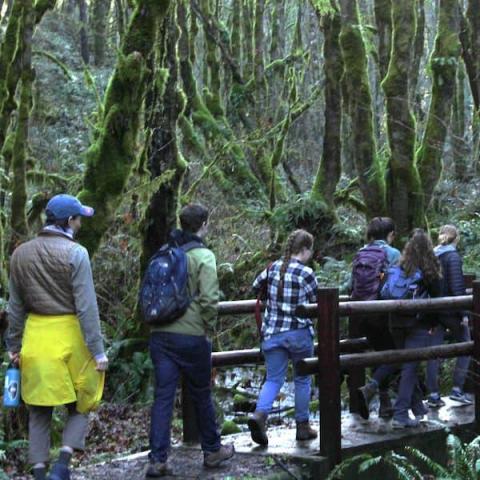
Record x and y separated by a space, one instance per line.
111 157
329 170
18 219
358 103
99 27
247 24
383 19
404 197
83 37
163 150
459 144
418 49
443 64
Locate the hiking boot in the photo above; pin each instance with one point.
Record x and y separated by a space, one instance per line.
435 401
305 431
214 459
459 397
156 470
420 410
386 407
405 423
365 396
59 472
257 426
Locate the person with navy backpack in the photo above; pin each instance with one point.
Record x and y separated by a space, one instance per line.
369 267
453 284
417 276
181 317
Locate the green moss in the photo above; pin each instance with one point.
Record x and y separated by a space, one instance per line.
229 428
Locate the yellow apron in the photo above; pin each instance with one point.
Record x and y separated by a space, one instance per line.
56 366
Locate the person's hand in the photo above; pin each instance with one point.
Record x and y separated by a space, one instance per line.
14 357
465 320
102 362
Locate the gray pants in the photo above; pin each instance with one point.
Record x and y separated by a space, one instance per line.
40 419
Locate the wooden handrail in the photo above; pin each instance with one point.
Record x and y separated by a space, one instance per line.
254 356
310 366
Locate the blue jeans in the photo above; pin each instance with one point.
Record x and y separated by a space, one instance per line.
191 355
409 391
460 334
295 345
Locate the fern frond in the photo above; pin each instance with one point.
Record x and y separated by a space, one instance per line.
367 464
340 469
433 466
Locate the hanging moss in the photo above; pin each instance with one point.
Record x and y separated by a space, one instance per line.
359 107
443 65
405 200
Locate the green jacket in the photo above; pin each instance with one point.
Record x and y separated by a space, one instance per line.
201 315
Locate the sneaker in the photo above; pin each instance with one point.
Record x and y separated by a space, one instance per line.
365 396
460 397
156 470
435 401
258 429
386 407
407 423
214 459
305 431
59 472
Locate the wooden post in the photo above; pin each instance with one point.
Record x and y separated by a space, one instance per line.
469 386
329 375
189 418
476 348
356 376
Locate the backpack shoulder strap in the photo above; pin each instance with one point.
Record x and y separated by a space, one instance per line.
191 245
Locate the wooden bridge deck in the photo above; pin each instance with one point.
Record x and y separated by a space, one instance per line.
359 434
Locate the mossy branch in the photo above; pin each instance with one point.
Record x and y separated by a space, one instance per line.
49 56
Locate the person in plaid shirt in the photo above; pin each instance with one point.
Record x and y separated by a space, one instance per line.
289 282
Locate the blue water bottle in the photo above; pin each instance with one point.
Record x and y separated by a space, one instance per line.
11 391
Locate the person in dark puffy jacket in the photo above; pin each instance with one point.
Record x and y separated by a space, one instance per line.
456 321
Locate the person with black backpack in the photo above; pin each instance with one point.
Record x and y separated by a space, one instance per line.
369 267
182 310
453 284
417 276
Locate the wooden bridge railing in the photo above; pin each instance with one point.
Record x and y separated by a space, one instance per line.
334 355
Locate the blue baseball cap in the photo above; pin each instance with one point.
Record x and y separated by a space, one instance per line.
62 206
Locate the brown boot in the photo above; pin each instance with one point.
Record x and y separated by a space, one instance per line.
214 459
305 431
258 429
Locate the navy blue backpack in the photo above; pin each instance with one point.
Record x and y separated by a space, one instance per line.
399 286
164 294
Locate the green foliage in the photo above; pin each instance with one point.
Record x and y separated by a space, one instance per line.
323 7
463 463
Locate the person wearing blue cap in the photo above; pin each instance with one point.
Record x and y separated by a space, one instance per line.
54 333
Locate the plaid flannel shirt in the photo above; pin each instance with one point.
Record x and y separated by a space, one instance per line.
299 287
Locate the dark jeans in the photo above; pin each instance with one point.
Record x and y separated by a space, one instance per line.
172 354
461 333
409 391
379 338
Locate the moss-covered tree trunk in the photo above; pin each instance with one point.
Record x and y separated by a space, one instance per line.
329 170
110 158
163 153
358 103
418 49
443 64
404 195
18 218
98 21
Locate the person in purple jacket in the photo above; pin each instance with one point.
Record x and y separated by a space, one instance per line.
456 321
